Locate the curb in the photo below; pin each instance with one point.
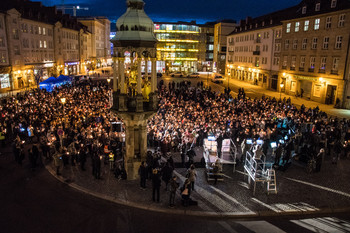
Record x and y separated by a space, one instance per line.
205 214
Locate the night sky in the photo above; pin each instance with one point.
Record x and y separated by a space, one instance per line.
185 10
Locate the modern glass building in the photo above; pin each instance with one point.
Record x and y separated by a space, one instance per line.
177 47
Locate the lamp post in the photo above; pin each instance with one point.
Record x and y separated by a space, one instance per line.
108 81
281 86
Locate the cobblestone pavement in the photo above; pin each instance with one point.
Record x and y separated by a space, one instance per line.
298 191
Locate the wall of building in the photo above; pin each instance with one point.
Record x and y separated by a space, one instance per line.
314 55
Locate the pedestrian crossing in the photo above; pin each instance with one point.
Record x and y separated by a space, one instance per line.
322 225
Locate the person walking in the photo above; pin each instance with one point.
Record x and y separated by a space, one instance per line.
319 158
143 175
192 175
156 182
174 185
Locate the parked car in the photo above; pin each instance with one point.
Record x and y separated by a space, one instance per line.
177 74
193 75
218 79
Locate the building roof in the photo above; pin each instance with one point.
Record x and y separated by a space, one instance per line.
294 12
37 12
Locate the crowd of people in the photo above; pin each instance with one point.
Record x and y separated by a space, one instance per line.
73 123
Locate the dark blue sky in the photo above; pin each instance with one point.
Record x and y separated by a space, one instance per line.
174 10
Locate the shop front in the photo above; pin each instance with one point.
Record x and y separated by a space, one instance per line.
71 68
5 83
318 89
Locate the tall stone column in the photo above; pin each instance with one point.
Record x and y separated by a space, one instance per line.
154 75
139 77
115 82
121 74
130 164
143 140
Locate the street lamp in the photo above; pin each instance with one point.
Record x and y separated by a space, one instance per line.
281 86
108 81
63 100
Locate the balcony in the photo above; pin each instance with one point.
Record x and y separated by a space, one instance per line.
301 68
292 68
311 70
322 71
256 53
231 43
258 40
284 67
334 71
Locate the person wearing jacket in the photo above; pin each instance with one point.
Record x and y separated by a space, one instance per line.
173 187
156 182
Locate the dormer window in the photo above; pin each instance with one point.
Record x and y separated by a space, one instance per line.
333 3
263 23
317 6
251 26
303 11
271 21
256 25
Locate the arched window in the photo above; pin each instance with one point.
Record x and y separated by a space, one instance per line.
126 28
121 27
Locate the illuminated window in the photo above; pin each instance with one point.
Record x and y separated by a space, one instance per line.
297 25
288 27
317 24
306 25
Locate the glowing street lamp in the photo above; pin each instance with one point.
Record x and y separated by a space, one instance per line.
63 100
281 86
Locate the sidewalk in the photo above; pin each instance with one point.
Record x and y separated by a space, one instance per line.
298 193
329 109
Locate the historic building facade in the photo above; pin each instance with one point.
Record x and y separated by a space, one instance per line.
315 52
221 31
37 42
99 40
253 52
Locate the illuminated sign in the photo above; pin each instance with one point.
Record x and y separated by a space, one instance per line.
305 78
157 26
71 63
173 31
